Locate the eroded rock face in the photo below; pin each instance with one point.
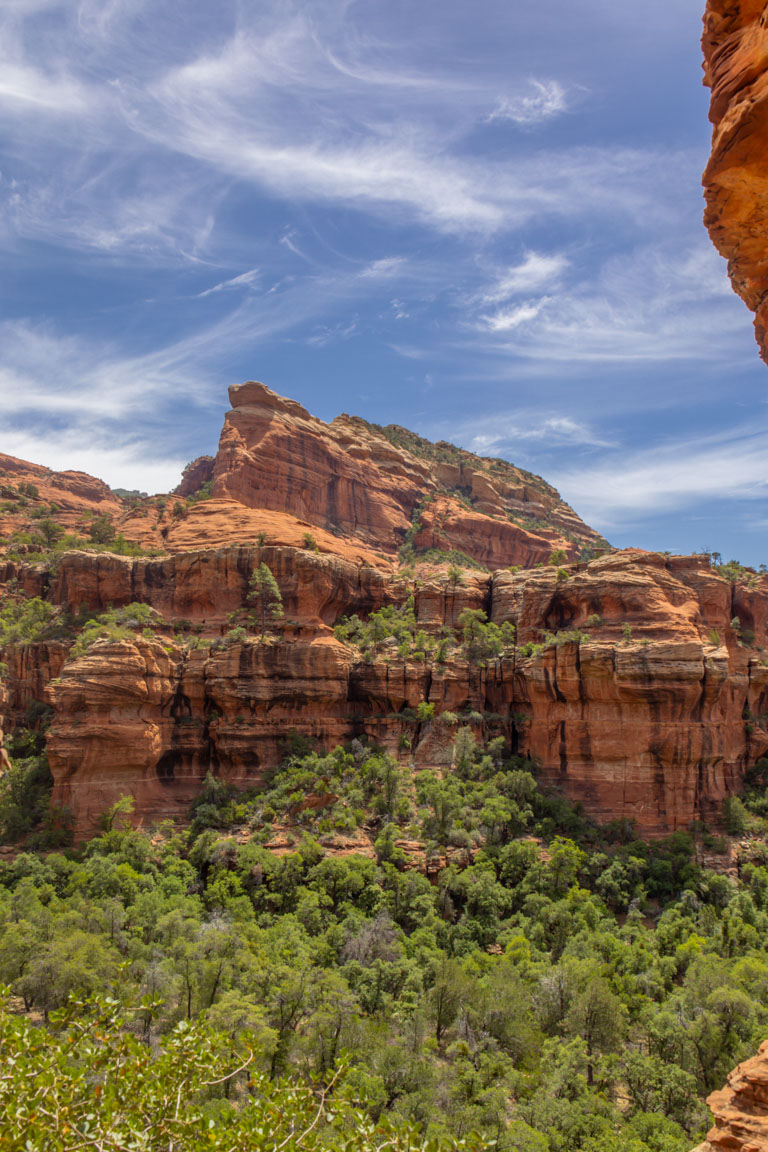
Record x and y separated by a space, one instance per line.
196 473
741 1109
653 718
370 484
627 681
735 44
348 488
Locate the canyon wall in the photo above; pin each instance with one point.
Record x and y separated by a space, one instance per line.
627 681
387 487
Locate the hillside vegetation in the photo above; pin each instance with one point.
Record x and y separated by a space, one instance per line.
558 986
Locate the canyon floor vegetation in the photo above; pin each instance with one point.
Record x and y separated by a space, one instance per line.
536 983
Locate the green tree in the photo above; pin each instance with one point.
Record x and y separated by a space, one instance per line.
101 529
598 1017
264 596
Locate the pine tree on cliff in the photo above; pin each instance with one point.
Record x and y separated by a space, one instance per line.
264 597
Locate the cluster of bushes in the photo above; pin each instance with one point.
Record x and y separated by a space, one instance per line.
116 624
26 621
561 987
51 539
200 1093
264 607
554 640
47 537
26 812
396 628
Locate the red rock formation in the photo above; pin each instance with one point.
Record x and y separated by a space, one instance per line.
196 473
653 716
647 727
741 1109
347 488
368 484
75 495
735 44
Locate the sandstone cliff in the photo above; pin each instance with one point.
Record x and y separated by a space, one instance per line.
741 1109
386 487
348 488
735 44
627 680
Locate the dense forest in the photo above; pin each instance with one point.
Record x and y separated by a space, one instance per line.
551 986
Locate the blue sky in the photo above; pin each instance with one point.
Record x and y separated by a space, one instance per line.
479 220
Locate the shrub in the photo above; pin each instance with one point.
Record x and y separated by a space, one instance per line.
27 621
24 797
234 636
388 623
116 624
101 529
483 640
735 816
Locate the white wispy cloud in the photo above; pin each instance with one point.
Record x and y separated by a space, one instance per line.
545 99
669 476
134 463
665 300
328 334
509 319
273 105
387 266
101 400
244 280
23 85
536 270
502 433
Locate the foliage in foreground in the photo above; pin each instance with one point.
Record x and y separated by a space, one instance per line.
88 1081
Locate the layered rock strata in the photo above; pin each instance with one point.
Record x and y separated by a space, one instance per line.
735 44
347 488
386 487
645 703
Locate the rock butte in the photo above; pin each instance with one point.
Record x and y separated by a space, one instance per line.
735 44
653 718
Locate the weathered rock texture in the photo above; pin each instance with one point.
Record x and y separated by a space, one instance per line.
638 696
735 44
370 484
348 488
656 726
741 1109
